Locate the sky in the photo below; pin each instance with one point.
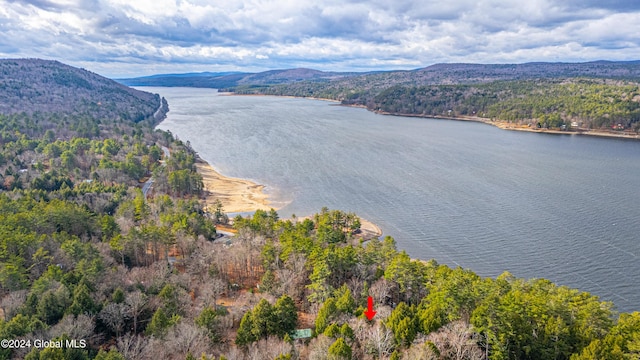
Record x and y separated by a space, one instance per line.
128 38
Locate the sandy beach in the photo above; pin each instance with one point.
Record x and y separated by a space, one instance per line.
240 195
236 195
369 229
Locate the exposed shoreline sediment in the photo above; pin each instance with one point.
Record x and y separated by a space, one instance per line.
242 195
236 195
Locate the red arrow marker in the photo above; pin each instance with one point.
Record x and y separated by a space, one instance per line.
370 313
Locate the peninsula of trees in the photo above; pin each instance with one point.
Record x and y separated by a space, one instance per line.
86 255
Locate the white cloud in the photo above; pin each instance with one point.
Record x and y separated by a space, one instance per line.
146 11
341 35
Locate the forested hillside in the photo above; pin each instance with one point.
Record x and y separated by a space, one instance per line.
37 86
590 103
600 95
198 80
224 80
424 310
72 209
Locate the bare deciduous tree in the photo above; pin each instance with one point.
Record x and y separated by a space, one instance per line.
267 349
455 341
132 346
381 290
110 281
114 316
136 302
212 289
376 340
125 223
319 348
160 271
287 282
356 286
154 275
239 263
293 276
380 341
76 327
234 354
186 243
186 338
12 302
420 352
231 320
198 266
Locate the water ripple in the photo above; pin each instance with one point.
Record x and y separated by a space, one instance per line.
467 194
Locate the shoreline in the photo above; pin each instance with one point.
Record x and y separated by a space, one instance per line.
227 93
504 125
369 229
236 195
242 196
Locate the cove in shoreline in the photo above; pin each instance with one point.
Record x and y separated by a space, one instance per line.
245 196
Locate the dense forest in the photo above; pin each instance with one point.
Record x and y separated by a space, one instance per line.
584 96
87 256
584 103
40 86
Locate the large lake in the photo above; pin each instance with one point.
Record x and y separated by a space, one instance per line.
562 207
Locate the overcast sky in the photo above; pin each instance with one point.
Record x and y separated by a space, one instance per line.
121 38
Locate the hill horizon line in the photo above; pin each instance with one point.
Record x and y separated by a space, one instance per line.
283 69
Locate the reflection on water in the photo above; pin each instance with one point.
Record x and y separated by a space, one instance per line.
561 207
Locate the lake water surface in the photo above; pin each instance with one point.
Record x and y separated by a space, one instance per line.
565 207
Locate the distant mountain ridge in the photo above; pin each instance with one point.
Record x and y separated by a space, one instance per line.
465 74
192 74
46 86
292 75
201 79
437 74
227 80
